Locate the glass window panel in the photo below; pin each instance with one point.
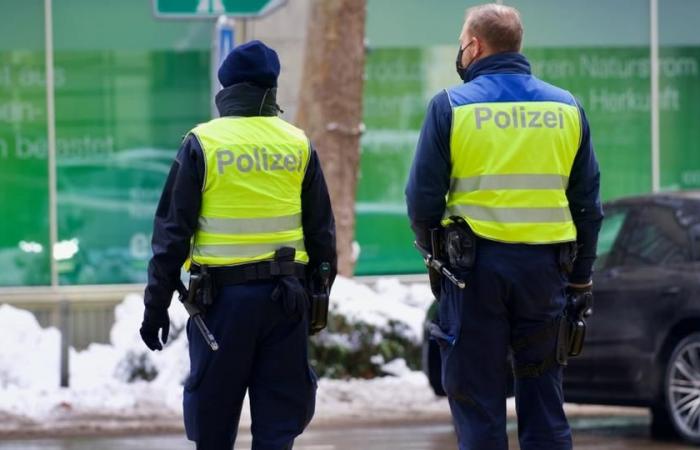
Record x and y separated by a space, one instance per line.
131 86
24 230
679 94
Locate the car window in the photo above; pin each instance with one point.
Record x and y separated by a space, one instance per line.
609 231
656 238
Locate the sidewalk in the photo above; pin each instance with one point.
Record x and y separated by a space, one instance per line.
402 400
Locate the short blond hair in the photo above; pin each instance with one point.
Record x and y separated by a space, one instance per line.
497 25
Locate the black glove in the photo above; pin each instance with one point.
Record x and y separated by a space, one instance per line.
292 295
579 301
155 320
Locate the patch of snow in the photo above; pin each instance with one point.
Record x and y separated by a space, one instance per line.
377 359
29 354
408 395
99 379
100 363
328 339
397 368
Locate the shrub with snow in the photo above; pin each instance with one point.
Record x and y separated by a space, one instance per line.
359 350
367 328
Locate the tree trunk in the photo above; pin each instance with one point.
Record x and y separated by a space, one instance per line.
330 106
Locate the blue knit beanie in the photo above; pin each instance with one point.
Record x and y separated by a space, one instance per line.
252 62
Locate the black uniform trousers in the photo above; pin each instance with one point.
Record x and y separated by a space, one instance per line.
263 350
514 290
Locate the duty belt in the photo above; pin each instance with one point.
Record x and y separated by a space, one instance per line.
260 271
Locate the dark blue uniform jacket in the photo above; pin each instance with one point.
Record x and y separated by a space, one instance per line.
429 179
178 210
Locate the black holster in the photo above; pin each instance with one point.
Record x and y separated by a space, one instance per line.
460 245
572 326
319 295
454 247
200 292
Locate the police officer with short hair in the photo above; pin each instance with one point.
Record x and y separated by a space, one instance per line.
505 166
245 202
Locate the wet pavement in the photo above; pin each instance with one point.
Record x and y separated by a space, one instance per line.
618 433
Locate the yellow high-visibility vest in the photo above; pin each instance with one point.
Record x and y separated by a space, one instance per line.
510 168
251 197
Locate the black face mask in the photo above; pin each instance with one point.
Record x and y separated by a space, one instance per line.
462 71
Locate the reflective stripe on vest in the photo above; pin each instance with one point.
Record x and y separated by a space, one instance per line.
251 199
510 167
243 250
240 226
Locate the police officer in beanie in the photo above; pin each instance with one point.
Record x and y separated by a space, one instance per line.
245 202
505 168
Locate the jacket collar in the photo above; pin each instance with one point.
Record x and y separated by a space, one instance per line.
246 100
499 63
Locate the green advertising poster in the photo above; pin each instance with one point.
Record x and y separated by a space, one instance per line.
613 85
393 111
615 88
680 118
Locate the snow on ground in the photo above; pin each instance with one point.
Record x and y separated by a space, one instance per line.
22 341
29 362
100 393
403 397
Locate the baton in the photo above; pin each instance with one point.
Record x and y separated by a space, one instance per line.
439 266
196 315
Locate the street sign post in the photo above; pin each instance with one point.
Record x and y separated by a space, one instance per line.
211 9
224 41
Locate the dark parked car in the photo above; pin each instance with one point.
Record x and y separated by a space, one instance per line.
643 341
